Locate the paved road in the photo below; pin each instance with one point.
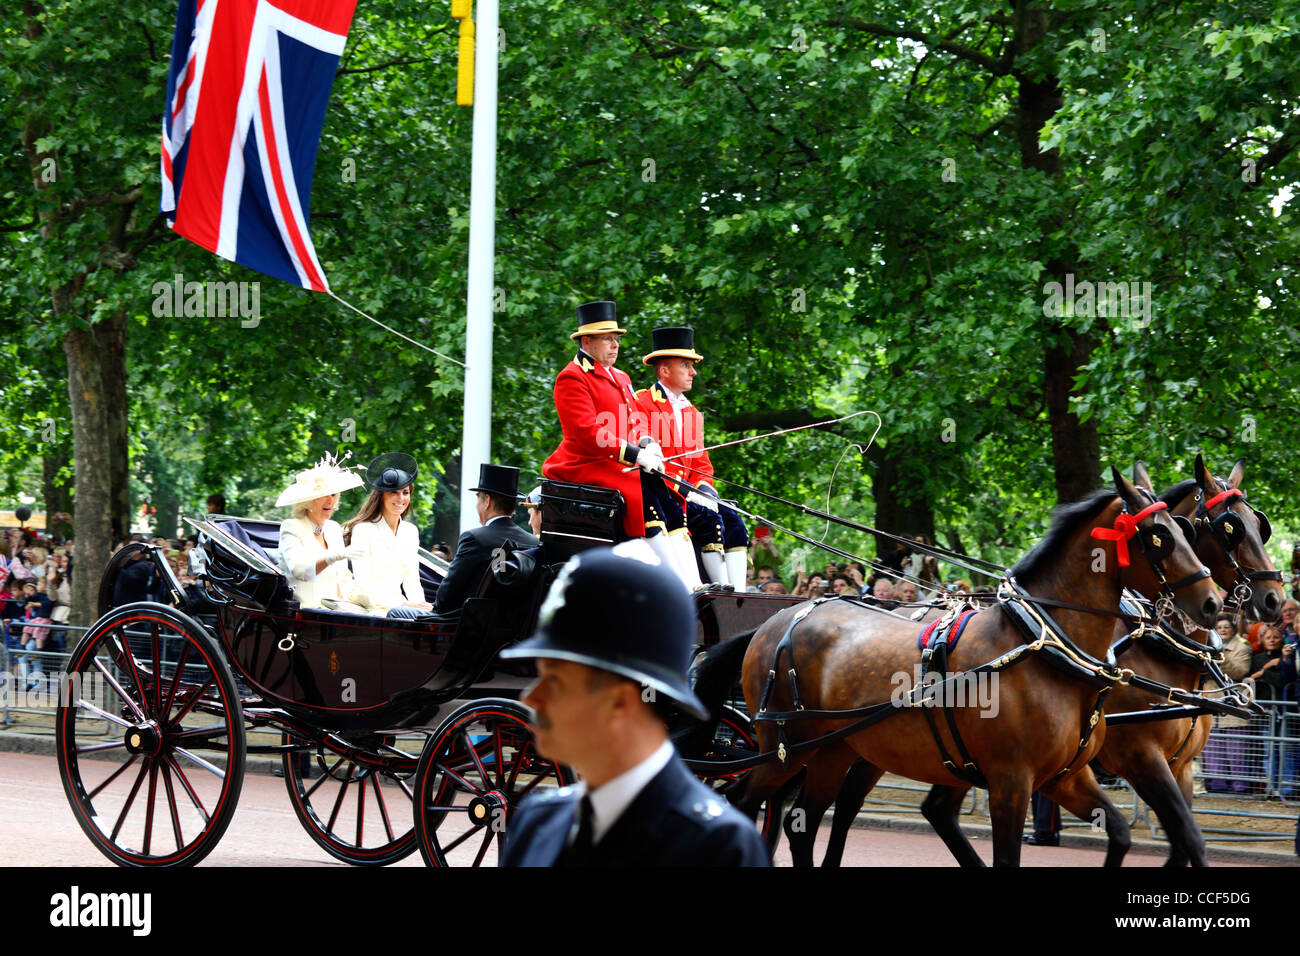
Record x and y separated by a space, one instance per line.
37 829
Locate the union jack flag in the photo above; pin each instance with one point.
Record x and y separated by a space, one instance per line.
246 98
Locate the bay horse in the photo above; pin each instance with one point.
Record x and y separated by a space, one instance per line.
841 657
1156 756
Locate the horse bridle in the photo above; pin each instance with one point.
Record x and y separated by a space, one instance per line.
1156 546
1229 531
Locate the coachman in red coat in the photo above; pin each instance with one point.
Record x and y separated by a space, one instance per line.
602 429
678 427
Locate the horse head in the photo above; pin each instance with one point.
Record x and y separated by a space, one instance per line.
1154 555
1230 538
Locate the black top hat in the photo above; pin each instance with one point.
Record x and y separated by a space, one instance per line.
391 472
500 480
597 318
621 613
677 342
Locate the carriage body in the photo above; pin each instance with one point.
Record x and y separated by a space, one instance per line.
385 711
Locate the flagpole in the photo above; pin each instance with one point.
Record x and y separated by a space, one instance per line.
476 438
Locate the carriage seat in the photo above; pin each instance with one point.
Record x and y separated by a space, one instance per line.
577 517
238 532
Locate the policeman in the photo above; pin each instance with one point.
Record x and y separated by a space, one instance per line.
613 643
678 427
604 434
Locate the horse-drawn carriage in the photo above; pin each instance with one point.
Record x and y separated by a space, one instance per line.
392 734
405 717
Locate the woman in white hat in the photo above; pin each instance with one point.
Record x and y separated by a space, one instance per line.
386 566
312 553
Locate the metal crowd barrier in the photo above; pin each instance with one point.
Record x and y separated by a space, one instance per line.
1259 757
31 681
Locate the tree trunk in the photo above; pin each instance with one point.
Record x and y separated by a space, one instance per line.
1076 448
90 436
168 507
913 517
110 339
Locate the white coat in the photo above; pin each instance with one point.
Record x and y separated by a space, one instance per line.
386 566
300 550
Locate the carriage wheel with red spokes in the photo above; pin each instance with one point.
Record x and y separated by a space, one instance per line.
159 787
477 766
734 738
356 812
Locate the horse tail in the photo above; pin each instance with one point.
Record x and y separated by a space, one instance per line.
712 676
716 670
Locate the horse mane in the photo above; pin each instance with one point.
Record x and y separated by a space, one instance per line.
1065 520
1174 495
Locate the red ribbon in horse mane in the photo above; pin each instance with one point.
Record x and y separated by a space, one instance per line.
1126 525
1230 493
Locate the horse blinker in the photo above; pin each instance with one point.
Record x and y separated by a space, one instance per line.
1265 529
1229 529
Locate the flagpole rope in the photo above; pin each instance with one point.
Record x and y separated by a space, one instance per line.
330 293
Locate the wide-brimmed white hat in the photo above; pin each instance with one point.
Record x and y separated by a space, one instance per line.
326 477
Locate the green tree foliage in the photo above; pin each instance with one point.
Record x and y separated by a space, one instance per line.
850 202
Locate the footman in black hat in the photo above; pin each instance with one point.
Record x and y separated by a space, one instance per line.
613 643
498 495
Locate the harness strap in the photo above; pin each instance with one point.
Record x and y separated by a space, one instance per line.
1190 730
1093 720
1152 715
938 639
1197 575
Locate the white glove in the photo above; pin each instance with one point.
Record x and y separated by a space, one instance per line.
651 459
334 557
703 500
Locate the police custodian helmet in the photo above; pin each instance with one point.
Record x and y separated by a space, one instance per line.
621 610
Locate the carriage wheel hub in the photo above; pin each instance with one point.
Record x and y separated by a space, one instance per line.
144 739
487 808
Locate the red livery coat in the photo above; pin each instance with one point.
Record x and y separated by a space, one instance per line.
601 424
688 440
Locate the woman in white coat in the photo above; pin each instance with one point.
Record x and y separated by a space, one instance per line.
312 553
385 562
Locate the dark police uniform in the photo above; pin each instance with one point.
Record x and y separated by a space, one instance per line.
674 821
622 610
